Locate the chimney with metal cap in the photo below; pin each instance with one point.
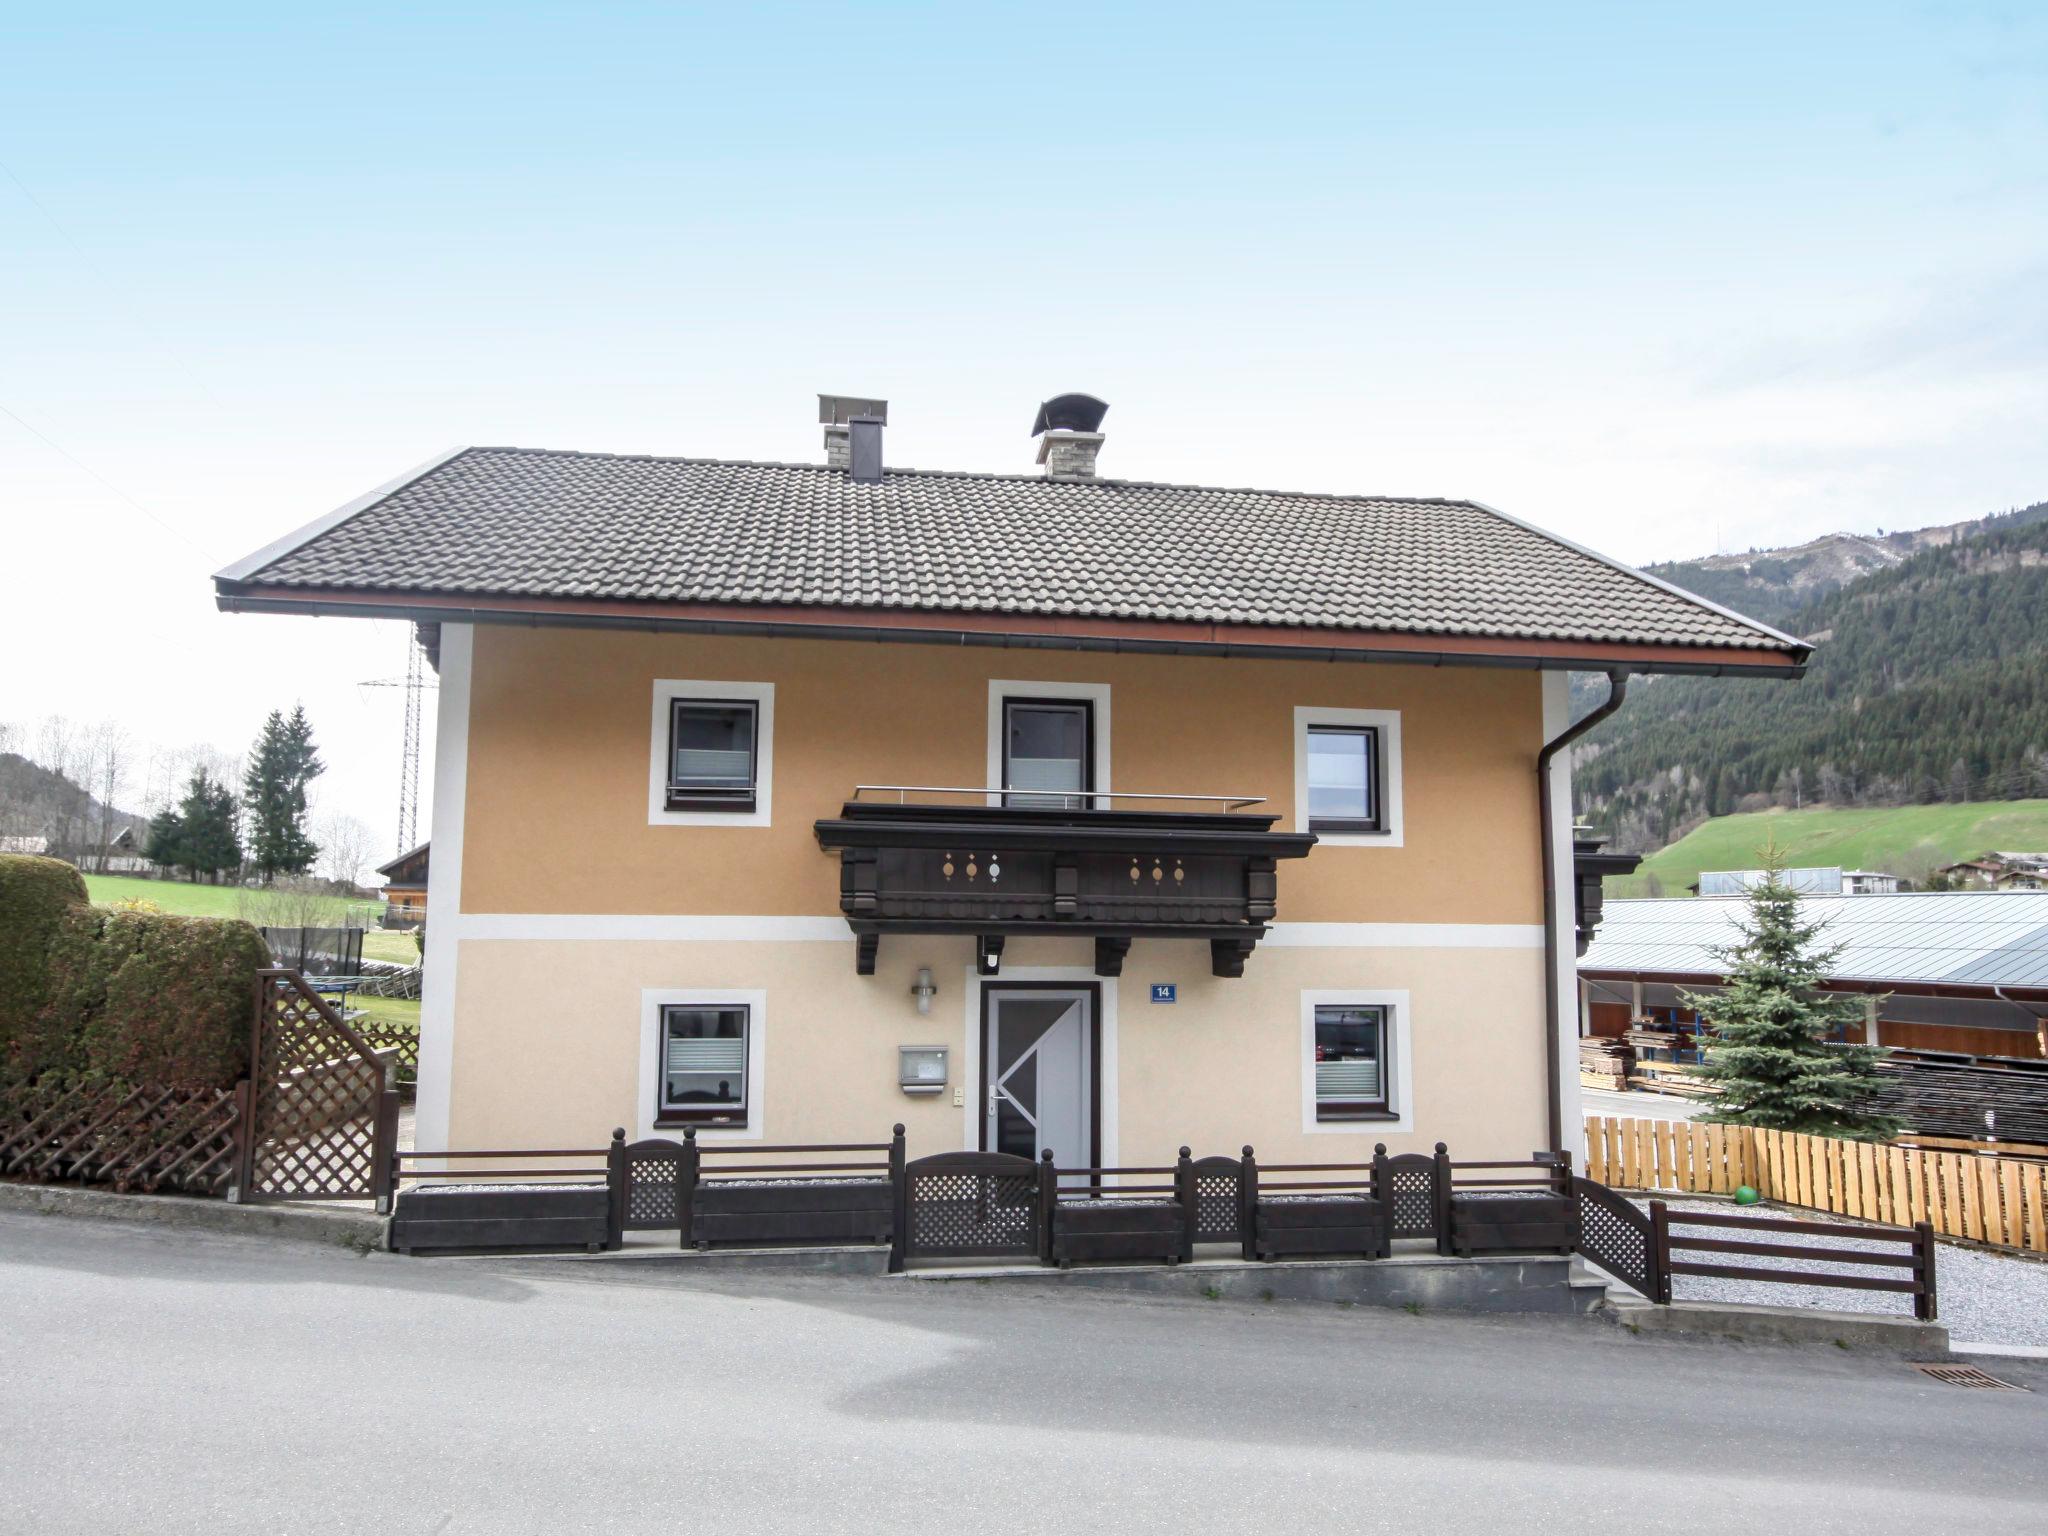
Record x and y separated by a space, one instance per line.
838 414
1069 432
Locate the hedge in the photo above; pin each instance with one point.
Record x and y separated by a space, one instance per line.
37 896
134 997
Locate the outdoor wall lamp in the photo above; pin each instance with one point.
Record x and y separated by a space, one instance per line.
923 989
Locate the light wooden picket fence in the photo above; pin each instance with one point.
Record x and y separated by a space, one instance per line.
1998 1200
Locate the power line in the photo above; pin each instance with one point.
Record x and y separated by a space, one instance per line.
87 470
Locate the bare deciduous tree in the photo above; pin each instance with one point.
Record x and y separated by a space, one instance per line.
345 844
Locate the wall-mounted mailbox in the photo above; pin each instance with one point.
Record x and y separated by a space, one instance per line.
921 1068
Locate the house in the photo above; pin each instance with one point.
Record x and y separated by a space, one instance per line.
1829 880
405 889
1958 971
1035 810
2000 872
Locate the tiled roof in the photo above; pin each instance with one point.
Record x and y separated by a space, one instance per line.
513 522
1955 938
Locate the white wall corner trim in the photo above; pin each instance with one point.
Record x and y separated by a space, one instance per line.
444 889
1388 723
1399 1047
669 689
1564 959
1000 688
652 1001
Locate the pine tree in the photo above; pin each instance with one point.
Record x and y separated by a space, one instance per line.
1768 1052
166 845
281 765
208 841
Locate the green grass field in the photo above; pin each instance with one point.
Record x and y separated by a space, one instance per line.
1907 840
182 900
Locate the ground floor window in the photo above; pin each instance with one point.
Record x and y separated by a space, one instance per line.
703 1064
1350 1061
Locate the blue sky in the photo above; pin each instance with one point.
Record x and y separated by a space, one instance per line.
1665 279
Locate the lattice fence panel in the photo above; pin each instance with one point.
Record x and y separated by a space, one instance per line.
401 1039
315 1092
1219 1213
965 1213
1413 1179
651 1186
1615 1235
147 1139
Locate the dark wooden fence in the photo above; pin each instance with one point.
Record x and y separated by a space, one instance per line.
323 1115
1910 1249
185 1140
964 1205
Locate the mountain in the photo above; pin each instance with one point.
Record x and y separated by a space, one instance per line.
36 802
1774 585
1929 684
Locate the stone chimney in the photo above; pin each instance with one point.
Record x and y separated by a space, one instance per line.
1069 436
836 414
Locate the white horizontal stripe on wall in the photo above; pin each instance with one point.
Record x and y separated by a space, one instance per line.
1406 935
606 925
833 930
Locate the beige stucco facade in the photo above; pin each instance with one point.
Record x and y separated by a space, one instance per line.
561 908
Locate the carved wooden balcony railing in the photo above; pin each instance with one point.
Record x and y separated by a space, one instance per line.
1109 873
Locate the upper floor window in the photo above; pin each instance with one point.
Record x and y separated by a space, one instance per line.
712 749
1347 775
711 759
1344 778
1049 751
703 1065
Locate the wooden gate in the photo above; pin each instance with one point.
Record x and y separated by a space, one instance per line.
970 1205
1616 1236
323 1116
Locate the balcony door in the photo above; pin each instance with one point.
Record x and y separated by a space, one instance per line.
1038 1072
1048 748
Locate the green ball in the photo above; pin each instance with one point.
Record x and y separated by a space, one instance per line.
1745 1196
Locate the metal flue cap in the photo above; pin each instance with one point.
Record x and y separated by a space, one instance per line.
1070 413
838 410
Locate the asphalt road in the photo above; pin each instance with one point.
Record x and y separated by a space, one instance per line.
160 1381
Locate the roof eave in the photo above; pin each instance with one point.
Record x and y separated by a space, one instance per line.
298 538
1019 630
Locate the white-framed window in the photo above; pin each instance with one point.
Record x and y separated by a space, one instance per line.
711 754
702 1061
1048 743
1356 1073
1347 776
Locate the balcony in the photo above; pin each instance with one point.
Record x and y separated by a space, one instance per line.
920 859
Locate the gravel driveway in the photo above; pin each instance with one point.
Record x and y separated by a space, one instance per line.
1986 1298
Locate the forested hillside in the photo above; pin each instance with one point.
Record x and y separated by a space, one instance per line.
1930 684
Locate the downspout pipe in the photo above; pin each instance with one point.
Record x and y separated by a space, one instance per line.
1617 690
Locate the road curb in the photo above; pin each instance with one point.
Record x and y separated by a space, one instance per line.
362 1231
1860 1332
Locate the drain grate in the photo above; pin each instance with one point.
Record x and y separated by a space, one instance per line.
1968 1376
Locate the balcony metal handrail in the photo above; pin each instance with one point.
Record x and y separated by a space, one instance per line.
900 791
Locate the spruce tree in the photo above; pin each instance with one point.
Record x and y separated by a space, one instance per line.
1767 1051
209 841
166 845
281 765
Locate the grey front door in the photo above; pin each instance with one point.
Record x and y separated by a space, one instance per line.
1037 1090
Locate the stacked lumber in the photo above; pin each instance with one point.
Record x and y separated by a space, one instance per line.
1604 1063
1643 1039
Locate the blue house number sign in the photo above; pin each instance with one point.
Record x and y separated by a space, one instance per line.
1164 992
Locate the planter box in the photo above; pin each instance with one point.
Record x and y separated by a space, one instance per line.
760 1213
1510 1221
1305 1226
467 1217
1085 1231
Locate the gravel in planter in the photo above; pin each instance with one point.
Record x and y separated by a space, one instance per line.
1088 1204
1336 1199
717 1183
1985 1298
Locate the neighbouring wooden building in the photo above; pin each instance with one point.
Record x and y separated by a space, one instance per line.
405 889
1038 811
